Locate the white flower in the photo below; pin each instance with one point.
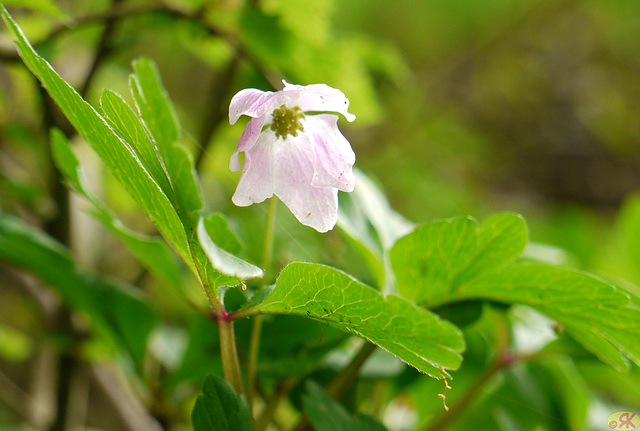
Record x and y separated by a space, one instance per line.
293 149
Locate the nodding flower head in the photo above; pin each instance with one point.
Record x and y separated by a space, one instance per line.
294 149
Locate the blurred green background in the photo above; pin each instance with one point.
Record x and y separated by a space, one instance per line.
464 107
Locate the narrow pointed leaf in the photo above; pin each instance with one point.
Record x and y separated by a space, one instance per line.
114 310
152 252
112 149
160 119
126 123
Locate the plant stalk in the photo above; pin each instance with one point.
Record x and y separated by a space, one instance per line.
230 361
256 328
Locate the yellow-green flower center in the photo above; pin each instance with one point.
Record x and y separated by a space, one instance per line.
287 121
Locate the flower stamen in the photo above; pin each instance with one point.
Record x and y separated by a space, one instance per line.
287 121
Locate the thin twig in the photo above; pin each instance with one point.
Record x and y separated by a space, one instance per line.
101 54
126 10
256 328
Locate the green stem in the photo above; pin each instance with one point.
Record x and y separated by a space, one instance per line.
256 328
230 362
269 236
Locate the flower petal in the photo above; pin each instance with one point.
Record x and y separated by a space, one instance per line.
334 157
251 102
256 181
247 141
316 207
318 97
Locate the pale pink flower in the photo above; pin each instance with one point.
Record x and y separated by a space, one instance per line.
293 149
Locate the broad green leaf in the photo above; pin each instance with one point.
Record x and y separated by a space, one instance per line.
223 261
415 335
152 252
219 409
112 149
159 117
433 260
116 311
286 353
593 311
326 414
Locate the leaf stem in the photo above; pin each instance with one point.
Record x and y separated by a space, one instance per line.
256 328
230 362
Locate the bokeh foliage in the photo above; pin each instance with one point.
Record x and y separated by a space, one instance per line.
463 108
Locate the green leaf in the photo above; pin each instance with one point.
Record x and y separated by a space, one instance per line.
66 161
372 226
436 258
160 120
456 260
286 353
219 409
154 105
326 414
223 261
221 233
593 311
126 123
415 335
115 310
152 252
115 152
571 390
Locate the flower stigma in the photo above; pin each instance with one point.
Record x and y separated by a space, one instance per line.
287 121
